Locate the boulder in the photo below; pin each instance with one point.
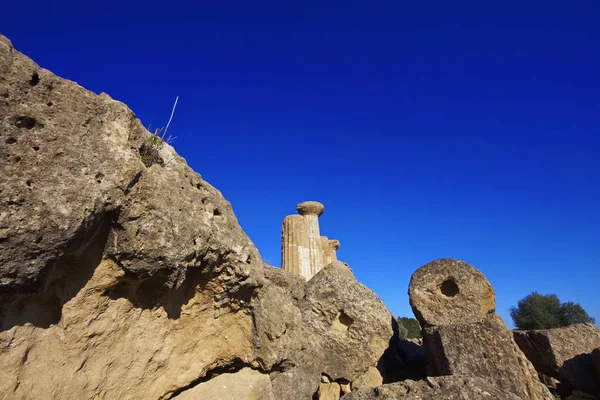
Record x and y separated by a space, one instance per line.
128 276
462 335
370 379
350 327
439 388
125 280
331 326
329 391
564 353
246 384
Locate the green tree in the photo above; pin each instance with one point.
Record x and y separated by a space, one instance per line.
573 313
538 311
409 328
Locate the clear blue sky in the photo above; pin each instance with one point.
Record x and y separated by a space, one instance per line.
428 129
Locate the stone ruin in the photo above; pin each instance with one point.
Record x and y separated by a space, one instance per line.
123 280
304 251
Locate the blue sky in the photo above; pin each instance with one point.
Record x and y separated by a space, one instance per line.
440 129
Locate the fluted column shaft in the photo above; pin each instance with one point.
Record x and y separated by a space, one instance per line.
295 253
314 244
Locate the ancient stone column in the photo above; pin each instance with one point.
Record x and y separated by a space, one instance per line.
311 211
462 334
329 250
295 255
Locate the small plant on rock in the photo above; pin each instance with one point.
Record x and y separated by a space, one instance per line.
150 148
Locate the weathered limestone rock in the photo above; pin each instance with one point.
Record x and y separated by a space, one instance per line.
564 353
439 388
329 250
130 281
329 391
370 379
119 278
311 211
330 325
351 324
246 384
447 291
295 252
462 335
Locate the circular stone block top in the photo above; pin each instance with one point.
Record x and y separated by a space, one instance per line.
448 291
310 208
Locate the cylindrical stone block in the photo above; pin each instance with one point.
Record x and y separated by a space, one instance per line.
311 210
295 254
448 291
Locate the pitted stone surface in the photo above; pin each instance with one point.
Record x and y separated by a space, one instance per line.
448 291
462 335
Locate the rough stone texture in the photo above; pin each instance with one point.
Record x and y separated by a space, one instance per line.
564 353
448 291
245 384
439 388
462 335
136 282
108 270
370 379
351 324
295 253
329 391
331 325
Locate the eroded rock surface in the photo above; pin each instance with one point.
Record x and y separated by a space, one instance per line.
134 280
462 335
564 353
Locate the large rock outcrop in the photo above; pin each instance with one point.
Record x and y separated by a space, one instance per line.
564 354
462 335
132 279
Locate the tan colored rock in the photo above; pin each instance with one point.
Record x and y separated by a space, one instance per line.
370 379
438 388
329 391
125 281
332 325
462 335
134 281
564 353
329 250
448 291
245 384
295 250
352 327
345 387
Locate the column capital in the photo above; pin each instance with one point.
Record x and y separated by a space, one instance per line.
310 208
334 244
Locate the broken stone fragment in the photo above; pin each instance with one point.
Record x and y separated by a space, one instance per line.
329 391
564 353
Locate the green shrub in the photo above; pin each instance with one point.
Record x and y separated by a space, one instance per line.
408 328
539 311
